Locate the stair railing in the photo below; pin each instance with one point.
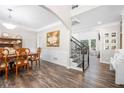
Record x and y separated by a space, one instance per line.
81 51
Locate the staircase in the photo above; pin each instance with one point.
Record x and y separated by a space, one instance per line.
79 54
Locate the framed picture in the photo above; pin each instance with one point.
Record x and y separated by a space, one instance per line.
53 39
106 41
106 34
106 48
113 41
113 47
113 34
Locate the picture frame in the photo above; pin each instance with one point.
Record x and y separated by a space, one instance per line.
106 41
113 47
53 39
113 41
106 35
113 34
106 48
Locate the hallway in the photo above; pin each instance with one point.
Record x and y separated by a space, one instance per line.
99 75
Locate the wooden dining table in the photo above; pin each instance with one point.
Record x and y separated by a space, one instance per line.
12 57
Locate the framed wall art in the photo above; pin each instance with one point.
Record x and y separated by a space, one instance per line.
53 39
106 41
113 34
106 47
113 41
110 40
113 47
106 35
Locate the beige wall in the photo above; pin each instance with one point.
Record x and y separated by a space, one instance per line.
29 37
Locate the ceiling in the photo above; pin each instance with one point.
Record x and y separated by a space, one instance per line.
98 16
33 17
36 17
78 9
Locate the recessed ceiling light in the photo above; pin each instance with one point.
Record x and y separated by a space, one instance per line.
99 22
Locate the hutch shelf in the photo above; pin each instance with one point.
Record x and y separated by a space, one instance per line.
10 42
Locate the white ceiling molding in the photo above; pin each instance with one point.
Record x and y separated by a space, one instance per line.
108 24
31 29
49 26
82 9
75 20
96 28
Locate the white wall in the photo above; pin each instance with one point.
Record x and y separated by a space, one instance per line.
107 54
29 37
123 31
93 34
58 55
87 36
63 12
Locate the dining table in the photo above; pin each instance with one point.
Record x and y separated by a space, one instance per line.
12 57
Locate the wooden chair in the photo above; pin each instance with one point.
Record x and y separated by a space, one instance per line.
36 58
3 61
22 58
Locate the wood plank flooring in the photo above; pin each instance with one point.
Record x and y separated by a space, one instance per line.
50 75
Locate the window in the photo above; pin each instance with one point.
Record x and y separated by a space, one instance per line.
93 44
85 42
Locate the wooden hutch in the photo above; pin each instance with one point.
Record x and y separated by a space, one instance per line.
10 42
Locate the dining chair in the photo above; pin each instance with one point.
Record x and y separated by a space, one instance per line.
3 61
36 58
22 58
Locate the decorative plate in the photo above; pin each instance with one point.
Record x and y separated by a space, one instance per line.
5 34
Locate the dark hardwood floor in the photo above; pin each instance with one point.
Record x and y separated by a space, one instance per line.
50 75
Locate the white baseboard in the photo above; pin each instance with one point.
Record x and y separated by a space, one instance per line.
76 68
105 62
56 63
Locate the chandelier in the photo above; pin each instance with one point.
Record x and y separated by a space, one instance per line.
9 25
